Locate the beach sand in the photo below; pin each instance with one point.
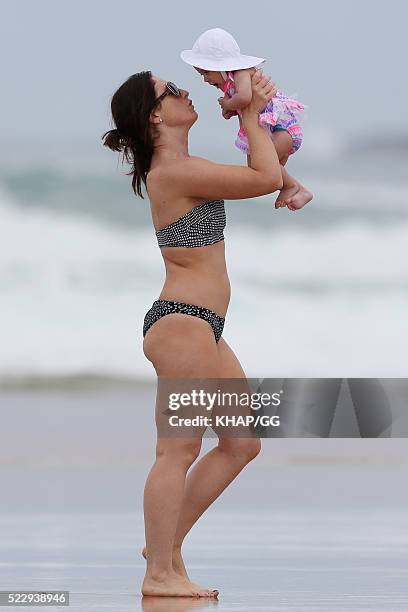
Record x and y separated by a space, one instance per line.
311 524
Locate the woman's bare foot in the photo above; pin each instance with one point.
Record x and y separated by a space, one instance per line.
301 197
178 563
179 568
173 585
286 193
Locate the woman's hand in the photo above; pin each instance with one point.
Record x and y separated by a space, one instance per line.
263 90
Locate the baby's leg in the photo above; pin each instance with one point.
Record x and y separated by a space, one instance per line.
293 194
283 144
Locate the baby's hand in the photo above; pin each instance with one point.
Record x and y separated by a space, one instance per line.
228 114
222 101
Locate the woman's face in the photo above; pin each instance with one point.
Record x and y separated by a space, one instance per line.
174 110
211 77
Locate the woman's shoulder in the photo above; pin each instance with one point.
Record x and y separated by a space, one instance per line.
162 171
174 166
173 173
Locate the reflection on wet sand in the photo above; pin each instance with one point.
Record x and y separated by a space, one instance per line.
177 604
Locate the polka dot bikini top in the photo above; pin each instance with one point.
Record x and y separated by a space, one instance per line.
200 226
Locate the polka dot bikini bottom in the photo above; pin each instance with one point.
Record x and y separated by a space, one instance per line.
161 308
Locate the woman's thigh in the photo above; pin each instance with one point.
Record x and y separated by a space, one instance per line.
182 346
229 365
230 440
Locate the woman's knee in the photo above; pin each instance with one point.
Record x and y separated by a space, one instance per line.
179 450
241 449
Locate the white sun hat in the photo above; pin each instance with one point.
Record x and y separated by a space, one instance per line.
217 49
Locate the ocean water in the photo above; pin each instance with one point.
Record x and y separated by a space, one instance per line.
320 292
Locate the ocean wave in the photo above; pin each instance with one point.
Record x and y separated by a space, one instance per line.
109 200
316 302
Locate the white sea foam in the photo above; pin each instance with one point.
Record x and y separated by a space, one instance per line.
329 301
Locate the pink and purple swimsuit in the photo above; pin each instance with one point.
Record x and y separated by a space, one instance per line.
281 113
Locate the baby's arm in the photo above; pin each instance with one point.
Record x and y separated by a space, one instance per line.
243 95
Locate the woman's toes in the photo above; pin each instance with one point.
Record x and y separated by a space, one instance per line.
207 593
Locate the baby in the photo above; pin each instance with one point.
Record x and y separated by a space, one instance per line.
217 57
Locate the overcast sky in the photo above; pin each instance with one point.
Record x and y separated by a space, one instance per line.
62 60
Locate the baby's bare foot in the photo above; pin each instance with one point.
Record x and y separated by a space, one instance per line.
285 194
173 585
301 197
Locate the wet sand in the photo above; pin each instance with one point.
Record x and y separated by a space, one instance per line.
310 525
279 560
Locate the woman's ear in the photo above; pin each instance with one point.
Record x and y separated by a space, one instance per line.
155 118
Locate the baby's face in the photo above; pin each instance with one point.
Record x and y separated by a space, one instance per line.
211 77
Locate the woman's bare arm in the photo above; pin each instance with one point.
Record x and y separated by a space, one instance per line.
264 156
200 178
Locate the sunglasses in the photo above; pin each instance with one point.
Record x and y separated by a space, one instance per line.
171 89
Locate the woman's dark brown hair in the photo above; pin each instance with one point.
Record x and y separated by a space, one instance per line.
131 106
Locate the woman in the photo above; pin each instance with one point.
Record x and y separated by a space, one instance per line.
182 331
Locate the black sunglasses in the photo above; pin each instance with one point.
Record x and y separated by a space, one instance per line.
172 89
